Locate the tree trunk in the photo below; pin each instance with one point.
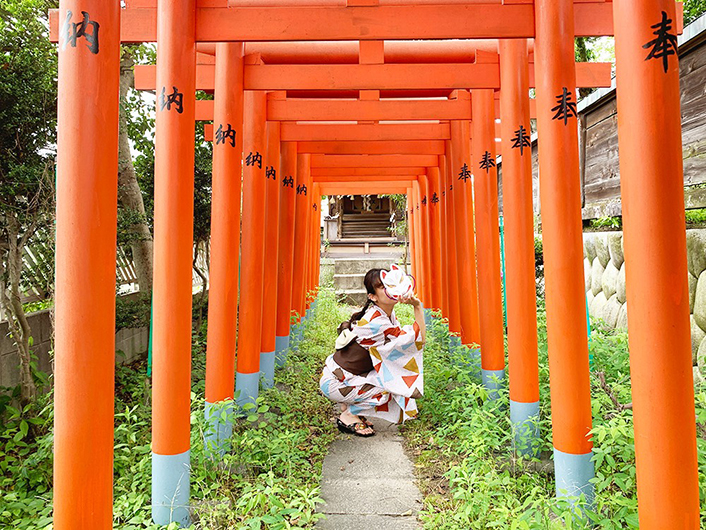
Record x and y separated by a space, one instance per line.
129 194
20 331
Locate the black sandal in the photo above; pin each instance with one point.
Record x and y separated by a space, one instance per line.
366 421
354 428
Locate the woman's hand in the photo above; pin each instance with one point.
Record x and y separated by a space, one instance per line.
410 299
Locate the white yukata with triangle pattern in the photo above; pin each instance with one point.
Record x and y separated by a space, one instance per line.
390 390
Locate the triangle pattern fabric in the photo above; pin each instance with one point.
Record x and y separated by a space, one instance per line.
409 380
412 366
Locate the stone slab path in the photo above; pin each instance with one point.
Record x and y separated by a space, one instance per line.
369 483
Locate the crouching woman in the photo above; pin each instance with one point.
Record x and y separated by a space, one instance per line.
377 368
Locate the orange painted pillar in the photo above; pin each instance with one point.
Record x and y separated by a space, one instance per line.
269 297
420 245
492 344
173 251
462 193
563 246
225 243
651 182
440 211
520 294
300 235
426 246
315 245
435 236
410 233
252 260
451 270
86 220
285 254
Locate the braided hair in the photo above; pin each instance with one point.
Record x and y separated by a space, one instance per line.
372 281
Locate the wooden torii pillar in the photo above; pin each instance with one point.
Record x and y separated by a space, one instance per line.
173 214
652 192
86 227
225 245
520 293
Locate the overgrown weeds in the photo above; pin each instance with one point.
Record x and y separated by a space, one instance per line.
462 446
268 480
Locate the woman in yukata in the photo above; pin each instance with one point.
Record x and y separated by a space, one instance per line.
377 368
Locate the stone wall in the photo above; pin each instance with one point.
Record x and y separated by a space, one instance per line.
604 267
130 344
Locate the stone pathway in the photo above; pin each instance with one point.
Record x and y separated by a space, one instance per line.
368 483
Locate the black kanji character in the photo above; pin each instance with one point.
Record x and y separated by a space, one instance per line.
424 200
434 198
665 44
464 174
253 159
487 162
288 182
315 207
301 189
71 32
227 135
565 107
521 140
176 98
270 171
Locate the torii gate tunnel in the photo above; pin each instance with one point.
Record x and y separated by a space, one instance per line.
325 97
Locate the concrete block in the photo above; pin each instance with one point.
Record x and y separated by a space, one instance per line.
360 265
700 301
620 285
696 251
596 307
589 247
615 249
589 298
348 281
622 322
609 280
610 311
587 274
597 276
376 495
602 252
693 280
697 337
9 369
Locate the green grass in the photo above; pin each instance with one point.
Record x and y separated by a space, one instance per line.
268 480
461 446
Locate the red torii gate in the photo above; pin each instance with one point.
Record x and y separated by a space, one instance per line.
652 199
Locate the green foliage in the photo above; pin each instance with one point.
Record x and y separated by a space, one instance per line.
27 104
132 311
268 480
464 459
696 217
693 9
538 251
612 223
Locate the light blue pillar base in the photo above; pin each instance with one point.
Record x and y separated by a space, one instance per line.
455 343
572 474
246 388
493 381
281 346
295 335
267 369
170 489
524 418
219 427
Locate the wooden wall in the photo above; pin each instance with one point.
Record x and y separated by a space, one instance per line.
598 141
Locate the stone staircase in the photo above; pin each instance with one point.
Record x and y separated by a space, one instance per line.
365 226
349 274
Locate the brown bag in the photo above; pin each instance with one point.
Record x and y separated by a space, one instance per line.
352 356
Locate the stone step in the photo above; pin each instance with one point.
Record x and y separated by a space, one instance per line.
343 282
356 297
360 266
